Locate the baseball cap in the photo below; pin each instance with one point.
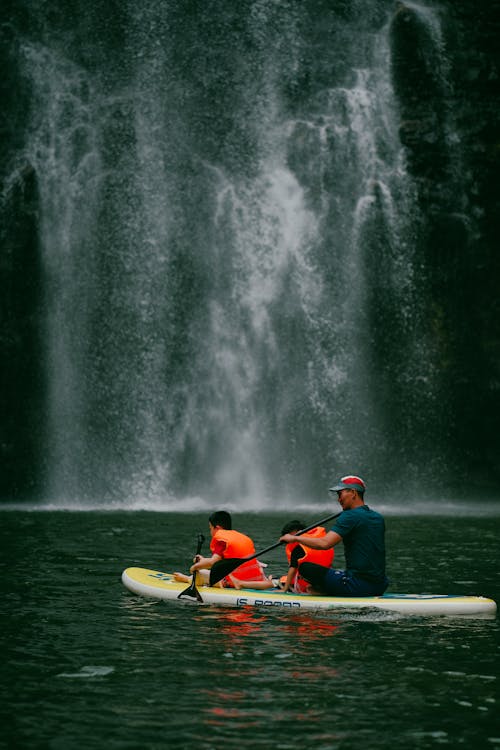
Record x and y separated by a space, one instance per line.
349 482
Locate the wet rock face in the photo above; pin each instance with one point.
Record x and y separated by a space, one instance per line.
420 83
21 339
446 74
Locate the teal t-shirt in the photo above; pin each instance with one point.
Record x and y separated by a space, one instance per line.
363 534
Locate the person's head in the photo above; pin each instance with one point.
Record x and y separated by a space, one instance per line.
221 518
292 527
350 491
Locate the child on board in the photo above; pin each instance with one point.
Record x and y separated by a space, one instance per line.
226 543
296 554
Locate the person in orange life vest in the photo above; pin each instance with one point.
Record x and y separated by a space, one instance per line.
296 554
225 543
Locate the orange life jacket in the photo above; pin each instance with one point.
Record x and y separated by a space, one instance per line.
239 545
319 556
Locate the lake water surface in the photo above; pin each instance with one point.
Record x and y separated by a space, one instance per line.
86 664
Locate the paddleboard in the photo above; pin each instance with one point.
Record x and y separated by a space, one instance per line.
158 585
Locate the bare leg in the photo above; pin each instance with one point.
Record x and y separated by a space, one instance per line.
181 577
201 578
262 584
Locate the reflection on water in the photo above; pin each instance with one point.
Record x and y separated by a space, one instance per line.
248 621
311 627
235 624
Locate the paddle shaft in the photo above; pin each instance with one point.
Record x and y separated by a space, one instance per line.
232 563
199 545
304 531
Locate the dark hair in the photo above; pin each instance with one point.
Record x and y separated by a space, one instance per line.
292 526
221 518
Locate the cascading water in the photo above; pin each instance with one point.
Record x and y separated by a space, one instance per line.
233 306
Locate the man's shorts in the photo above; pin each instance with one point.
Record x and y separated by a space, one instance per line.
340 582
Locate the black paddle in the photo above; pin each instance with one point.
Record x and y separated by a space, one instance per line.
223 568
192 592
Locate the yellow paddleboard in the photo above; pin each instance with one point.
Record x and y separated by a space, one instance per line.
158 585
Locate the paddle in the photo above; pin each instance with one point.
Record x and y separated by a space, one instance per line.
192 592
223 568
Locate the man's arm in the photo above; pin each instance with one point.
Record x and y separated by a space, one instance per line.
328 541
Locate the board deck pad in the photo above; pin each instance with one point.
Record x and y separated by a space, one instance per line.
158 585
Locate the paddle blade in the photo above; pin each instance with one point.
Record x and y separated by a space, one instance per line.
191 592
223 568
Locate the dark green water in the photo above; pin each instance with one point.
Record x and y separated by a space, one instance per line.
88 665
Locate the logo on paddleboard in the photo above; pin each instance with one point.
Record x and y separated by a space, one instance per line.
243 601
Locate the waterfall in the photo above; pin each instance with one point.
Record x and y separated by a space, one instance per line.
230 227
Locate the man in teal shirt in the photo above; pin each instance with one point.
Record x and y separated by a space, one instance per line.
362 530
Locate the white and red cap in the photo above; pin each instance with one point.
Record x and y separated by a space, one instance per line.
350 482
